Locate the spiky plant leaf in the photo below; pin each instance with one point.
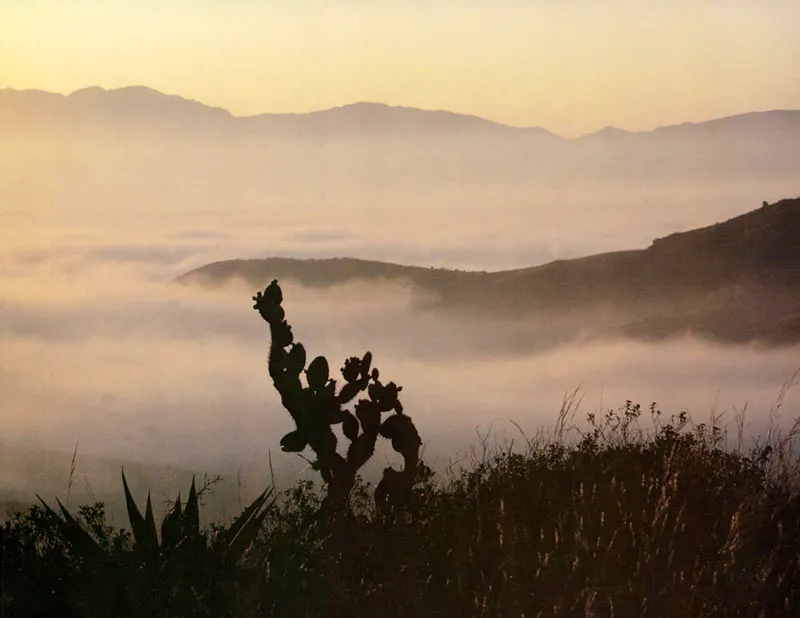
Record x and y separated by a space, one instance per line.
141 534
247 514
79 540
150 523
191 514
246 536
245 528
171 527
67 516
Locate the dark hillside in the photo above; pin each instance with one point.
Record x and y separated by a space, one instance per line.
738 280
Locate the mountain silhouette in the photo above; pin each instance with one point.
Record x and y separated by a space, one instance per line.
96 105
735 281
143 105
373 143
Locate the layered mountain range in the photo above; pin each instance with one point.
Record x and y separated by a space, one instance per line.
395 148
142 105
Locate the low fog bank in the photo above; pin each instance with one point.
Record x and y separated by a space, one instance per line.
99 350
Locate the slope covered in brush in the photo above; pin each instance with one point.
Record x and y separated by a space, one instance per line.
738 280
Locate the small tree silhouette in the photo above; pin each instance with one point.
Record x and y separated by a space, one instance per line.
316 406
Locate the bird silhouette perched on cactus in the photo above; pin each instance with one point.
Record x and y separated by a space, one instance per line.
316 405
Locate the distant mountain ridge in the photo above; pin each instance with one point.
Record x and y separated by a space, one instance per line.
735 281
97 105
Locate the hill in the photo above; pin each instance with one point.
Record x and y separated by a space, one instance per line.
735 281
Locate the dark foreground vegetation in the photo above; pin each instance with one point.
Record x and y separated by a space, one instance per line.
614 525
612 521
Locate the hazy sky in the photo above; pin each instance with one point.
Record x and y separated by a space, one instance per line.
570 65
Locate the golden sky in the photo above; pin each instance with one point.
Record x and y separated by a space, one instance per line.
572 66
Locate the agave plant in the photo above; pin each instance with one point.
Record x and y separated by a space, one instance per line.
78 539
180 528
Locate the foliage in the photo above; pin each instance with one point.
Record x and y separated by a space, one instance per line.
621 522
61 565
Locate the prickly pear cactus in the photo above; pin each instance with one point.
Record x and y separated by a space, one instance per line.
316 404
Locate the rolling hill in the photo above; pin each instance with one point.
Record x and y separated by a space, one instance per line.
735 281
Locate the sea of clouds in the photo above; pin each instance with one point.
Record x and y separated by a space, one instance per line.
99 348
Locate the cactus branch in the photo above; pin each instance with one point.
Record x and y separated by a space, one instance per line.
315 405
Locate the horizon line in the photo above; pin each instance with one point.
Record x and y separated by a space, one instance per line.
401 107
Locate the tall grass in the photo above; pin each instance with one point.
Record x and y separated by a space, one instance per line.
634 515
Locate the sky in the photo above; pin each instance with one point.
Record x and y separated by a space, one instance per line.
572 66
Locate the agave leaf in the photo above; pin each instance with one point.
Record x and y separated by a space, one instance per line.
142 533
67 516
47 508
243 529
134 515
246 536
150 523
171 526
80 540
191 514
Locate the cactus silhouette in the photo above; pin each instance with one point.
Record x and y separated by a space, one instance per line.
317 406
